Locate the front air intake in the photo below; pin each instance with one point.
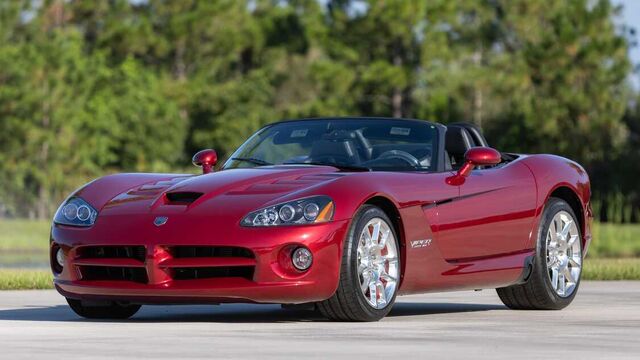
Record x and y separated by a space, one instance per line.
114 273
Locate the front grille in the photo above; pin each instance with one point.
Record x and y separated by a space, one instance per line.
97 273
128 263
112 252
180 252
192 273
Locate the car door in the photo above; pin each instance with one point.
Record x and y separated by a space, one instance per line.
492 216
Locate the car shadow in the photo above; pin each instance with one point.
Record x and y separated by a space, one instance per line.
233 313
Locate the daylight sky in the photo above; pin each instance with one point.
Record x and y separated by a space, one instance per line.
631 17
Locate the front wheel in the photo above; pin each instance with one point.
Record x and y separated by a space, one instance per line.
110 310
369 272
557 266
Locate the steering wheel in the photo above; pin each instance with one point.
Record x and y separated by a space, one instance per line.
402 155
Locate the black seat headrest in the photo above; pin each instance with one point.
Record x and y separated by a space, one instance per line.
457 141
474 132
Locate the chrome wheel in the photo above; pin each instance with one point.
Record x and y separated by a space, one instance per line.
564 254
377 263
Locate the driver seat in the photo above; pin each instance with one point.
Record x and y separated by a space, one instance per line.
457 142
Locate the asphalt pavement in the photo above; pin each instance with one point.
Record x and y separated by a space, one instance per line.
602 323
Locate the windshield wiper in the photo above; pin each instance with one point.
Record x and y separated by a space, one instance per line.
255 161
343 167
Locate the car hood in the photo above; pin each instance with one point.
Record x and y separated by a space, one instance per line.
229 193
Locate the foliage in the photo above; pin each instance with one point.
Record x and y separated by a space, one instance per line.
23 279
89 88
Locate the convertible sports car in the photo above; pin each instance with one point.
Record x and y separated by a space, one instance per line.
339 214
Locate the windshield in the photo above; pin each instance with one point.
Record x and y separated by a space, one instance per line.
367 144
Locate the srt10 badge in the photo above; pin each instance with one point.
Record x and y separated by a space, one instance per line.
420 243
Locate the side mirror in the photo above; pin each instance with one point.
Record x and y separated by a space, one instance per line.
477 156
206 159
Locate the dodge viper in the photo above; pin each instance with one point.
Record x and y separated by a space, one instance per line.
339 214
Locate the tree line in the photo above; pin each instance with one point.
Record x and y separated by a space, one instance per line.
95 87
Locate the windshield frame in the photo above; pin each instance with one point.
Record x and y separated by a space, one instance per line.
438 143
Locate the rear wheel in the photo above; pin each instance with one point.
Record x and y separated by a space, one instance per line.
369 272
106 310
557 266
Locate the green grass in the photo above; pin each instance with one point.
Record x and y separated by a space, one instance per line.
24 279
611 269
615 240
24 235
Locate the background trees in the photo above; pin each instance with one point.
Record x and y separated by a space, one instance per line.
92 87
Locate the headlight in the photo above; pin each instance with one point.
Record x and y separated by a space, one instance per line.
311 210
75 212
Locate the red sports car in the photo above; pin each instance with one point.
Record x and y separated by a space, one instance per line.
342 214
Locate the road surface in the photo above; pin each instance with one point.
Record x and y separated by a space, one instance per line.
603 322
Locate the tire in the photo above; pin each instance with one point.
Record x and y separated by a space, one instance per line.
113 310
349 302
538 292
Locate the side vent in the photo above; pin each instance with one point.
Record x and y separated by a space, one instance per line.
182 198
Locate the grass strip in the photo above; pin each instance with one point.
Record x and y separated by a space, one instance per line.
25 279
611 269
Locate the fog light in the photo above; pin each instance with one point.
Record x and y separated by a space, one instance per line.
60 258
302 258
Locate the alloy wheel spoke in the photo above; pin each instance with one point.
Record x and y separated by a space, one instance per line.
390 257
366 280
554 278
568 276
382 300
561 284
368 241
386 277
384 236
361 268
375 233
566 228
373 293
555 225
574 262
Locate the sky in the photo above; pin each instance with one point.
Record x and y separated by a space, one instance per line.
631 17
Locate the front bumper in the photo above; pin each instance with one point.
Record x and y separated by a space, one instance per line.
272 279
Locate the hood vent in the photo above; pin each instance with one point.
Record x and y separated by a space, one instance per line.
182 198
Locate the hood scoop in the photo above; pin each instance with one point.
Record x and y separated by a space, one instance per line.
181 197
